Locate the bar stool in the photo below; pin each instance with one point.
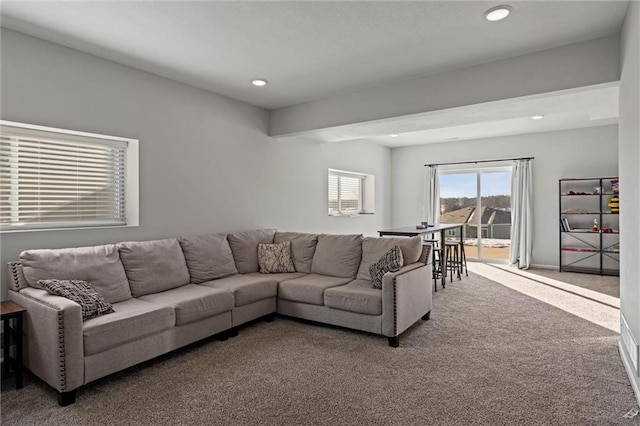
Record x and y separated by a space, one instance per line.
459 256
463 259
452 258
438 273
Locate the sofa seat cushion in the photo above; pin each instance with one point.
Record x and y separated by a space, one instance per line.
373 248
246 289
208 257
303 246
193 302
131 320
337 255
100 265
279 277
244 246
357 296
309 289
154 266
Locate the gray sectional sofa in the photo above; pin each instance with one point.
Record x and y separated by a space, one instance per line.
169 293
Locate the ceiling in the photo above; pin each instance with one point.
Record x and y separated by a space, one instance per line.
310 50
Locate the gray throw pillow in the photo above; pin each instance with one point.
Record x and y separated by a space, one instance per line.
275 258
81 292
390 262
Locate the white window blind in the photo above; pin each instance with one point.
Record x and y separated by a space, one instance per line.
58 181
346 193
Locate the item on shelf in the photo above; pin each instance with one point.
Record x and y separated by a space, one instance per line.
565 224
597 190
581 249
577 193
614 185
595 227
607 230
614 204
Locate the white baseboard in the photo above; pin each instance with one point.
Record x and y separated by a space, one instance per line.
628 366
542 266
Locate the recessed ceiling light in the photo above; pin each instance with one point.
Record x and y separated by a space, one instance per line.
259 82
537 117
497 13
395 135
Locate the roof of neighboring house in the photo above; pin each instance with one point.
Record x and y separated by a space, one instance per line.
457 216
490 216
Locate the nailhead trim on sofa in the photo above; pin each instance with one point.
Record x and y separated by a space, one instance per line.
17 281
61 356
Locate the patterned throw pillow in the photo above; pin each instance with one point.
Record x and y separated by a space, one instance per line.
391 261
81 292
274 258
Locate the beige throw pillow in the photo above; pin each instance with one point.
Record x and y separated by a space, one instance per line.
275 258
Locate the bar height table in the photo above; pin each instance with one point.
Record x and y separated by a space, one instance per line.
412 231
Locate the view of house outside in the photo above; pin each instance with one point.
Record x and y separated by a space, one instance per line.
488 227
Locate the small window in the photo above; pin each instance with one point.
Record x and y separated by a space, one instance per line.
350 193
54 178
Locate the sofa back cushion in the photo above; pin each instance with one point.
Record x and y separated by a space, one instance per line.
303 247
373 248
208 257
244 246
154 266
337 255
100 265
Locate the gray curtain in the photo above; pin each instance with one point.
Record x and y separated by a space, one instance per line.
431 206
521 215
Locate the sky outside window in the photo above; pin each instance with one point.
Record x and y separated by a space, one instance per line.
465 185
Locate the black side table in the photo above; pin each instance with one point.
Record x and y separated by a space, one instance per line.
12 311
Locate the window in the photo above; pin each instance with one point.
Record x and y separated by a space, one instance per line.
54 178
350 193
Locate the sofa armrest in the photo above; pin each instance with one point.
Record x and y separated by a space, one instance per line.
53 347
406 297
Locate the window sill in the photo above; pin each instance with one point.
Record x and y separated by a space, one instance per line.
76 228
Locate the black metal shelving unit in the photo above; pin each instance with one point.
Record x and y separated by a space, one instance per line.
581 248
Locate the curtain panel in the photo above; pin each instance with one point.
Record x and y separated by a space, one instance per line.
431 206
521 215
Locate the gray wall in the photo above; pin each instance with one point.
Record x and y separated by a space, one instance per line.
589 152
630 176
206 163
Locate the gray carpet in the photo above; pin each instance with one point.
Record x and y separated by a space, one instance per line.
489 356
608 285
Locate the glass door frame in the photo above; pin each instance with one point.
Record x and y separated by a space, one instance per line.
478 171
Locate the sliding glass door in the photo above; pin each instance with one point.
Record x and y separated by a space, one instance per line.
481 199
